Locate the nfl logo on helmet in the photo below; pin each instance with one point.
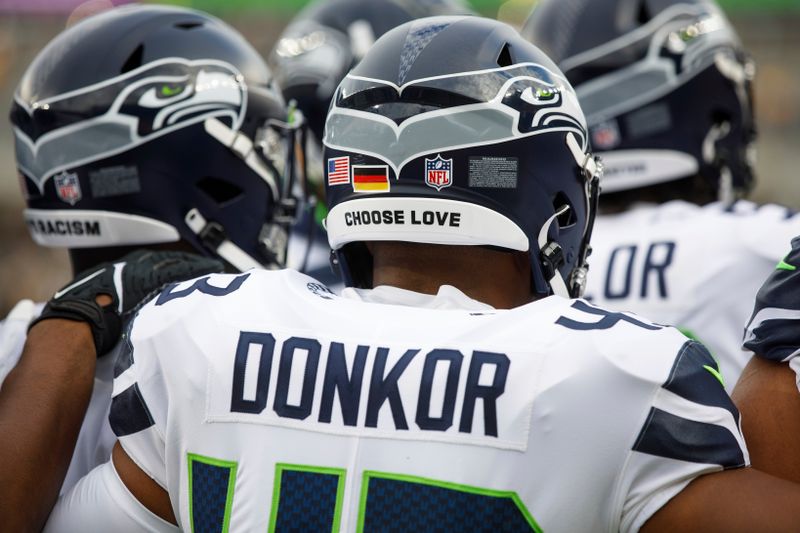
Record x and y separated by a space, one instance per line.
438 172
68 187
605 135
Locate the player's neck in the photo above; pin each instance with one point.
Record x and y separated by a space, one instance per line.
499 279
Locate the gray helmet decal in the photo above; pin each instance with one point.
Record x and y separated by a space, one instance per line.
678 27
153 100
546 103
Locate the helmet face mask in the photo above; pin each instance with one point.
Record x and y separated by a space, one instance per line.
143 156
667 94
492 155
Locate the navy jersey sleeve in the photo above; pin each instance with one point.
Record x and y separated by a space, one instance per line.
773 331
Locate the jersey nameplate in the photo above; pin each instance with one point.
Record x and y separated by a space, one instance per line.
448 394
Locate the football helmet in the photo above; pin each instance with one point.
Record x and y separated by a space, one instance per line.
665 85
327 38
456 131
153 124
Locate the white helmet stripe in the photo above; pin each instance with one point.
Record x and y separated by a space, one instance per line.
79 228
430 220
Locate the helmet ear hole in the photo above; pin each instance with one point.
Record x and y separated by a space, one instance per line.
719 116
134 60
567 217
504 58
643 17
220 191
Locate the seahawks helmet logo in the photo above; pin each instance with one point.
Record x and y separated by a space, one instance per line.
512 102
124 112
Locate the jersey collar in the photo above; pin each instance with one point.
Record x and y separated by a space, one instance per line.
448 297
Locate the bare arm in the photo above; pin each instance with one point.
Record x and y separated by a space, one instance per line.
769 401
148 492
44 399
734 500
42 404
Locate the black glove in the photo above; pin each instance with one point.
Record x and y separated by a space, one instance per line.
129 282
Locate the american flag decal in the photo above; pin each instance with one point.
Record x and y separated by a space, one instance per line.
339 170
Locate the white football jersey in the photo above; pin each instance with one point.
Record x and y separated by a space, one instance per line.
263 402
773 331
95 439
697 268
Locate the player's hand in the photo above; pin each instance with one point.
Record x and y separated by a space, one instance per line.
104 295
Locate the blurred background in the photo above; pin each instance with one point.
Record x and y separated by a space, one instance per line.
769 29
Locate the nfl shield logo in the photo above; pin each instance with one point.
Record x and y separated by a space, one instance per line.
438 172
605 135
68 187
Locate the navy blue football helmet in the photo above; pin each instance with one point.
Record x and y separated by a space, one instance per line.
456 131
665 85
327 38
151 124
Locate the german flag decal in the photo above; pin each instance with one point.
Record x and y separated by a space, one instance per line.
370 178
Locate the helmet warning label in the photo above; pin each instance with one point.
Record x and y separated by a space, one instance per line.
114 181
493 172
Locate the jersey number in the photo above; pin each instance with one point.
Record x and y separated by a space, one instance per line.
308 498
201 285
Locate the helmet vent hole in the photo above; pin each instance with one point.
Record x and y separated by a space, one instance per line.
504 59
188 25
719 116
562 204
220 191
643 16
134 60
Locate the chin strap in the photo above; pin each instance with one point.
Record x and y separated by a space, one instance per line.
274 236
726 193
551 254
213 237
243 147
